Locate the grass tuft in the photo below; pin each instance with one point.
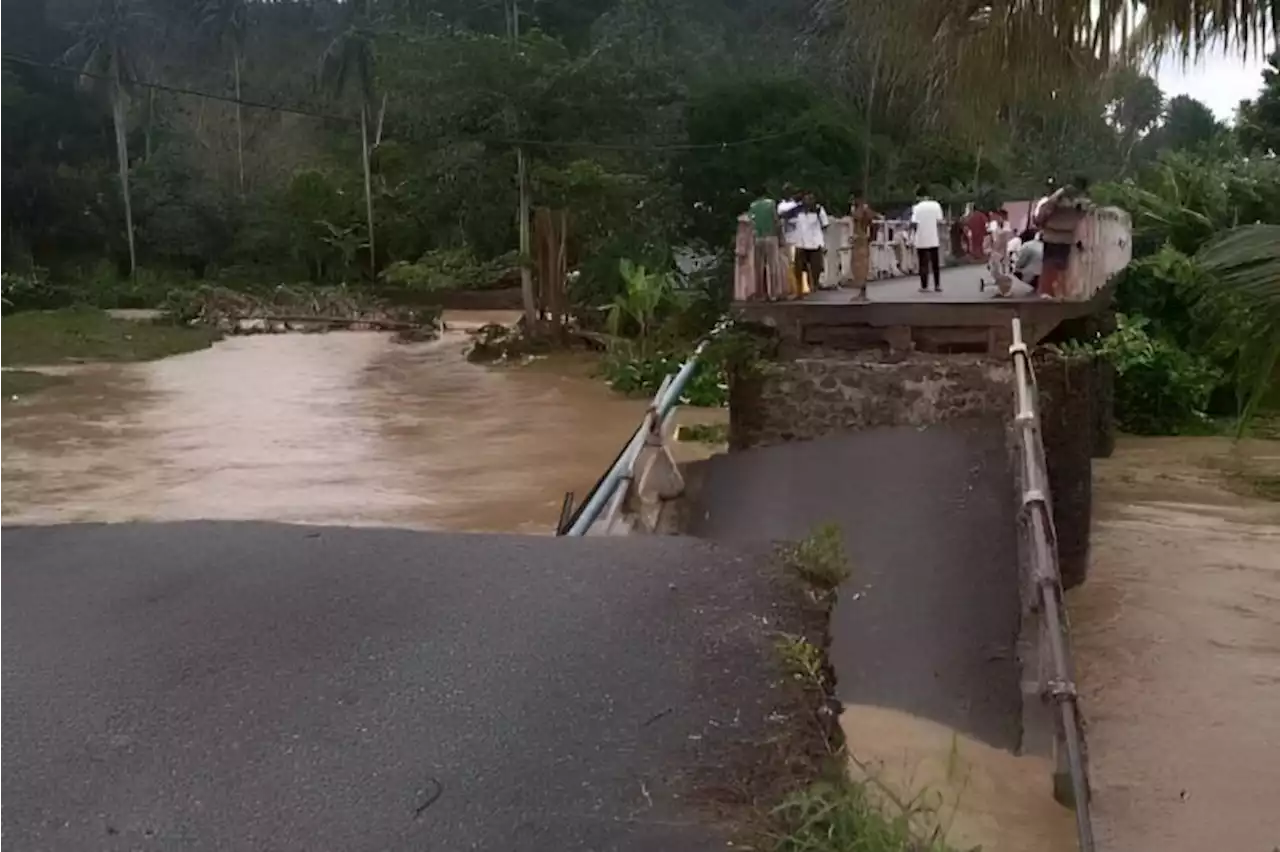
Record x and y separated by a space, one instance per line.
87 334
802 659
819 558
840 816
704 433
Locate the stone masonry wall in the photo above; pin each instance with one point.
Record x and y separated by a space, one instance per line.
821 393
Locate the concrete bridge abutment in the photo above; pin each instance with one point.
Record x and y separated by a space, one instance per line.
801 393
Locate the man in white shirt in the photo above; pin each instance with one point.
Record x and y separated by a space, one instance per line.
926 225
810 224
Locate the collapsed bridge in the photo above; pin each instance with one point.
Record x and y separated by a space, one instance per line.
958 474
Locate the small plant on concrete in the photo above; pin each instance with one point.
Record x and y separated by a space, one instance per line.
819 558
704 433
803 659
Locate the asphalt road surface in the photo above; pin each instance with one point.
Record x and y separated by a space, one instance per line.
251 686
928 622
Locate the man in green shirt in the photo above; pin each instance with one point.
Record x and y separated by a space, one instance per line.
771 282
764 216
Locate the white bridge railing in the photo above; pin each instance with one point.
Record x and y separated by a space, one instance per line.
1103 248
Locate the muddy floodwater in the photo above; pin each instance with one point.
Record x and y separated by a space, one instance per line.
1177 636
341 428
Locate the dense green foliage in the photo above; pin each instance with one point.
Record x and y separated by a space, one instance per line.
648 119
374 144
1194 344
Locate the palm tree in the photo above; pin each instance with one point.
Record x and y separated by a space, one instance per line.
228 22
350 57
103 56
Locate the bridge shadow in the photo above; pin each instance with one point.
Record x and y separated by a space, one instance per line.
928 622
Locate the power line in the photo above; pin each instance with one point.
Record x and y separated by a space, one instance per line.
177 90
533 143
675 146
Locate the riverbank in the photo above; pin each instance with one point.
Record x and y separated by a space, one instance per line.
76 335
1177 643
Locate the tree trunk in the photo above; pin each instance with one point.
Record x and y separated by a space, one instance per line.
382 114
368 186
522 223
522 208
235 67
122 158
151 114
866 142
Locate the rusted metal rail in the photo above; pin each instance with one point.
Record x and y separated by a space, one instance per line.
1044 590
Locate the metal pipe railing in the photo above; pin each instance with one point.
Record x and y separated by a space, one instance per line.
1047 583
668 395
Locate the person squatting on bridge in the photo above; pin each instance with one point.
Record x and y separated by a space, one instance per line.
1058 215
926 225
1028 262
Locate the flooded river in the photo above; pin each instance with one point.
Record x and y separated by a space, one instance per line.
1177 636
342 428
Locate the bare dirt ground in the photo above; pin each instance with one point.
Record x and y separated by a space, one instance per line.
1177 638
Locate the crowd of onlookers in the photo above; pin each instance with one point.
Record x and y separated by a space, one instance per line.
789 242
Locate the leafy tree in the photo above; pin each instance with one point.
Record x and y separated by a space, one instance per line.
1258 120
1188 125
762 133
1134 107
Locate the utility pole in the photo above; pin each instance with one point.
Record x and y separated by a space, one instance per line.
522 210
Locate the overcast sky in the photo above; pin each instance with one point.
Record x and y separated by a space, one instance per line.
1217 80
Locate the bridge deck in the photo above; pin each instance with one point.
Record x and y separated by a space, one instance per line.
962 315
959 284
928 620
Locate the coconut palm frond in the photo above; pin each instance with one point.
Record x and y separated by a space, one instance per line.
1243 286
1246 260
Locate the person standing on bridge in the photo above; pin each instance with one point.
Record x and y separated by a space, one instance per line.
926 225
770 274
1058 218
999 235
864 222
811 223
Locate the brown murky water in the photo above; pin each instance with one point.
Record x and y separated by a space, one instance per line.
955 788
1177 636
344 428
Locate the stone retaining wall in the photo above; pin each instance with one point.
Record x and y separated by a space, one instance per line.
822 392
